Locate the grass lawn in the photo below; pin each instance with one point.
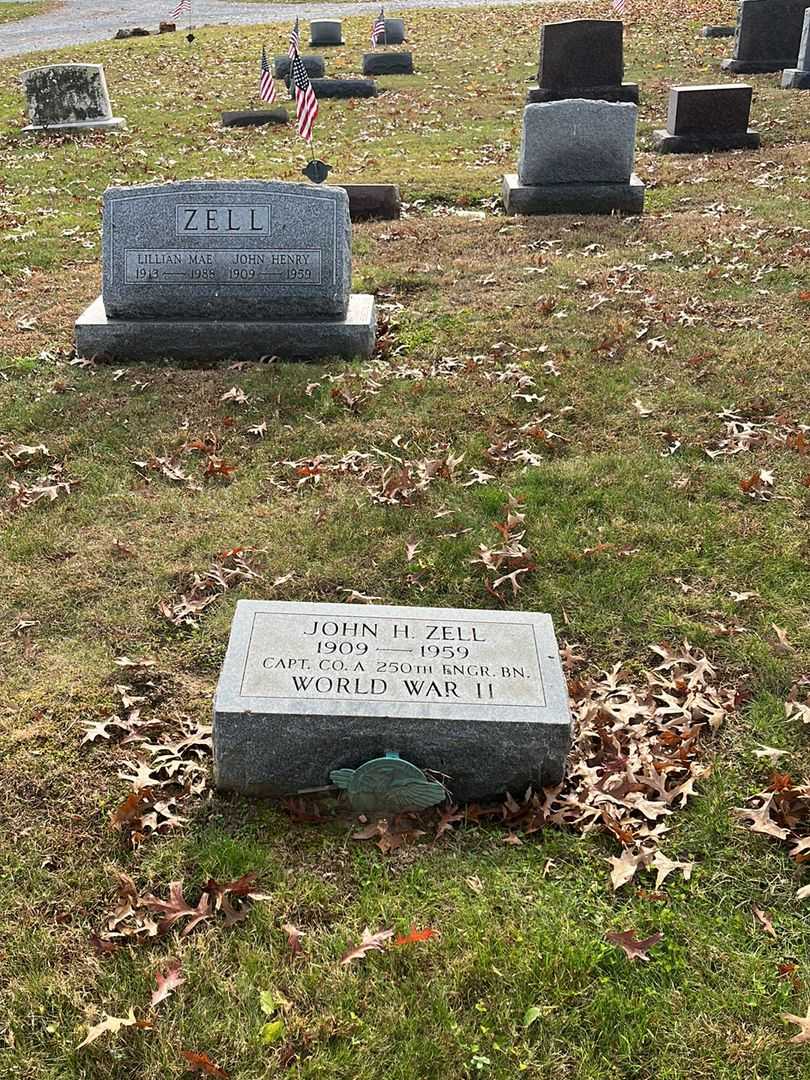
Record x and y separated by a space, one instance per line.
11 12
580 364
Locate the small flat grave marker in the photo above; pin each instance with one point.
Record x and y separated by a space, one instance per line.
307 689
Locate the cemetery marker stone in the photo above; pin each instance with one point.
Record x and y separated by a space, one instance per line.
308 690
326 32
768 35
576 157
68 97
388 63
582 58
394 32
705 118
798 78
226 269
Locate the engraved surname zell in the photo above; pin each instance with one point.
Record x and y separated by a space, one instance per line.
238 220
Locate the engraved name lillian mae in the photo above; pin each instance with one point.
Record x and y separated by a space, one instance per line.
223 266
405 661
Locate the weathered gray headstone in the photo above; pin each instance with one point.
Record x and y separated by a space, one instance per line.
767 36
68 97
213 269
798 78
701 119
478 696
387 63
576 156
326 32
315 65
582 58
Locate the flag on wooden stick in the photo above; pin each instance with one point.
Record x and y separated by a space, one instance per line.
378 29
306 104
267 86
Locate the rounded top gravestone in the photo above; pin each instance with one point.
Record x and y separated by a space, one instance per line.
225 250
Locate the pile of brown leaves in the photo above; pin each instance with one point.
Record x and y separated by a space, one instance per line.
137 918
229 569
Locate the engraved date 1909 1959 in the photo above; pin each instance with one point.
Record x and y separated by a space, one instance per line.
223 267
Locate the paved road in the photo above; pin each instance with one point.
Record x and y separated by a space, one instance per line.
80 21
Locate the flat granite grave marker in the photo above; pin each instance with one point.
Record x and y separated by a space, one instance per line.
576 157
307 689
206 269
388 63
798 78
768 35
68 97
326 32
315 65
343 88
254 117
705 118
582 58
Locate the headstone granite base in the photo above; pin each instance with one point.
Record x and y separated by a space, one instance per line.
115 123
622 92
717 31
112 340
706 143
595 198
476 696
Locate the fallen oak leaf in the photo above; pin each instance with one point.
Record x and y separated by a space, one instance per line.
167 983
369 943
632 947
764 921
294 936
113 1024
802 1036
415 935
202 1063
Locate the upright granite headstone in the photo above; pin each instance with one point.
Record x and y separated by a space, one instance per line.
798 78
576 157
767 36
68 97
226 269
307 689
394 32
326 32
582 58
705 118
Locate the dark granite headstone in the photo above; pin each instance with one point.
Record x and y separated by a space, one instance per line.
768 35
388 63
394 32
705 118
307 689
254 117
582 58
211 269
798 78
344 88
326 32
315 65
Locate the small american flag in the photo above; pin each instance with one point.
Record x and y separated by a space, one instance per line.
618 6
378 29
183 7
306 104
295 41
267 87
